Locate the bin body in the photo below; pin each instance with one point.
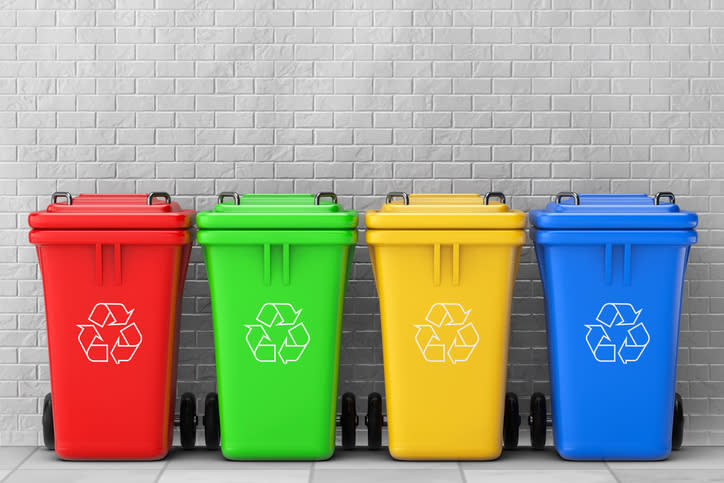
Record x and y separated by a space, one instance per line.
613 299
277 395
112 302
442 284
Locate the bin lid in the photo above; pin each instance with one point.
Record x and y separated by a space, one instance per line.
613 212
277 212
152 211
445 212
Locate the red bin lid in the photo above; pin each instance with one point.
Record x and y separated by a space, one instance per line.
152 211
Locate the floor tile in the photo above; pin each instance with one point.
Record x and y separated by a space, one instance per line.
236 475
200 458
388 475
689 457
11 456
671 475
362 458
83 476
539 476
44 459
527 458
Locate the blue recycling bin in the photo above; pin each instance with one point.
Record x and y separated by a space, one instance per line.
613 269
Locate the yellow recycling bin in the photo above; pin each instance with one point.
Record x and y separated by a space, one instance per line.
445 267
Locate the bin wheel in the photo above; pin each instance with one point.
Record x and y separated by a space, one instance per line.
187 421
373 420
537 421
348 421
511 421
212 426
48 429
677 436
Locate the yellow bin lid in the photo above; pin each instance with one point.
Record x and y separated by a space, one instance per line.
445 212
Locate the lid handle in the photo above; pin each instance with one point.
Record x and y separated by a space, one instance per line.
664 194
61 194
398 194
494 194
227 194
325 194
568 194
158 194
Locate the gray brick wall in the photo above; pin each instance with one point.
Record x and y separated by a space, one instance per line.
528 97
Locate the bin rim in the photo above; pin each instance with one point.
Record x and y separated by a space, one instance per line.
110 237
276 237
446 237
616 237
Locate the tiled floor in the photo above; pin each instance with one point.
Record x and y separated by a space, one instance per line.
23 464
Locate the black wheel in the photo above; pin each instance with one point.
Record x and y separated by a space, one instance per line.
373 420
348 421
511 421
187 421
48 430
212 425
677 436
537 421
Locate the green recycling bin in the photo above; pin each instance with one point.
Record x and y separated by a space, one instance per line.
277 267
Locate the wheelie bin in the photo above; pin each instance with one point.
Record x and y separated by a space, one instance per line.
613 269
277 268
445 266
113 269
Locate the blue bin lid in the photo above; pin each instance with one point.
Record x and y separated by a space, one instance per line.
573 211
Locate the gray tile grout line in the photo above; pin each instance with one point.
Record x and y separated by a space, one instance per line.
613 473
462 472
160 473
311 472
20 463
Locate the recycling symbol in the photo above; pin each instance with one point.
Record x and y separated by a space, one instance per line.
444 315
110 318
622 318
277 316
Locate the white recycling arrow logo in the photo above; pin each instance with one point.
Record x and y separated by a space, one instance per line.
448 315
617 315
106 315
295 341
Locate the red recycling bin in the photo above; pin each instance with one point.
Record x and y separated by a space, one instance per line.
113 269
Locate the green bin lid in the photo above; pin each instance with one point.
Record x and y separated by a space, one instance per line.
277 212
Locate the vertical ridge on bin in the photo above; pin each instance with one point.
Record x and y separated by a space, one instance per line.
285 263
267 264
608 262
117 254
436 264
627 264
456 263
99 264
